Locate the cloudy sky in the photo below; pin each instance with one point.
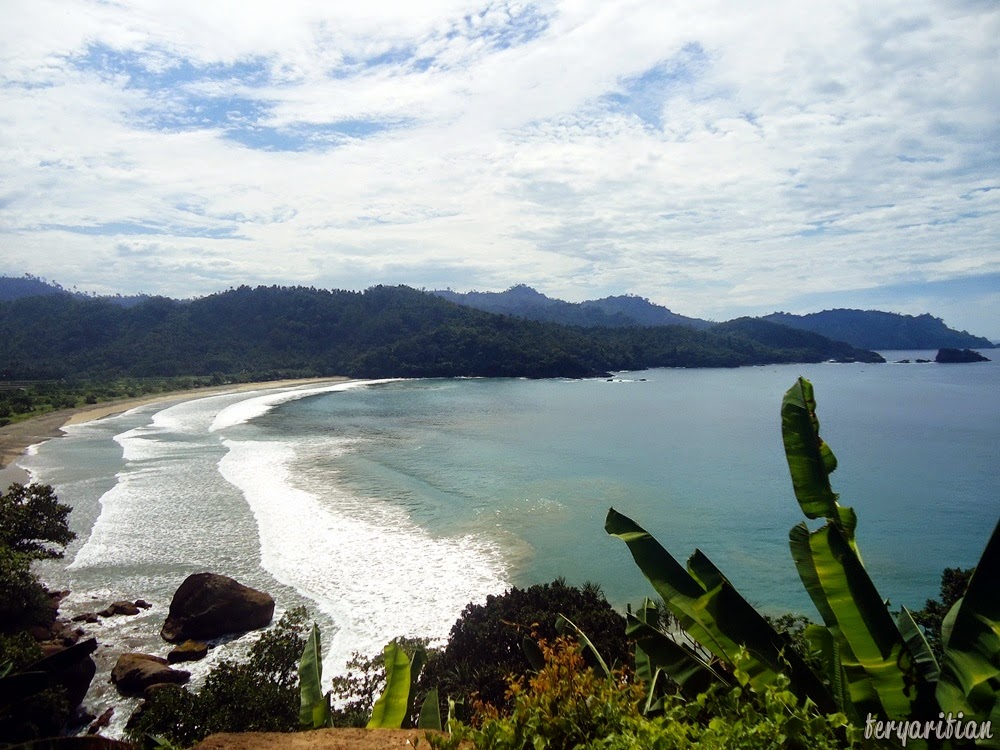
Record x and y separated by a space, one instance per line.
720 157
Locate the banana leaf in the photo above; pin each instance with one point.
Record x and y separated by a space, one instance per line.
563 623
878 665
533 653
822 642
389 711
430 712
970 667
719 619
810 460
314 706
662 654
417 662
649 676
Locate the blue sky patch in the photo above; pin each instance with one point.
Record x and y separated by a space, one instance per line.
129 228
160 69
646 94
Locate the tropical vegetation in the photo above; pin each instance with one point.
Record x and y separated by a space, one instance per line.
261 693
554 666
272 332
872 668
33 526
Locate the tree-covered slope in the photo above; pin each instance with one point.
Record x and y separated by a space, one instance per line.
384 331
873 329
622 311
17 287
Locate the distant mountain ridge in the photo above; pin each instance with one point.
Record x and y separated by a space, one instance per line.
873 329
621 311
274 332
19 287
863 329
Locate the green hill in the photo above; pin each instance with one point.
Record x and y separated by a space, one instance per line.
873 329
384 331
612 312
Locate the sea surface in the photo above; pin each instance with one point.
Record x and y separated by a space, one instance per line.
385 507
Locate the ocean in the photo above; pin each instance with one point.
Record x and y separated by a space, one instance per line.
385 507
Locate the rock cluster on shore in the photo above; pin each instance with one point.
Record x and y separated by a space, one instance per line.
205 606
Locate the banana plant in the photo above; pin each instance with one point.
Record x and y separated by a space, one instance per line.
711 610
872 665
394 707
314 705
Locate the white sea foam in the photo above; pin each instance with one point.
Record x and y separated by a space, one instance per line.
251 408
363 561
191 495
168 505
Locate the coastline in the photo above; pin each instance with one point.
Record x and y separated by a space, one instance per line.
15 439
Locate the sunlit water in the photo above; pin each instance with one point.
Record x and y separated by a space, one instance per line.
386 507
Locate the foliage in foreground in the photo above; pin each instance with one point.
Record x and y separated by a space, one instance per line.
871 666
567 705
260 694
484 646
33 526
954 582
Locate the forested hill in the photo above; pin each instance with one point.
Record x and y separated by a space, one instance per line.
384 331
614 312
872 329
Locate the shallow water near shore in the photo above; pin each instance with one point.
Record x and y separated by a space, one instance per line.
386 507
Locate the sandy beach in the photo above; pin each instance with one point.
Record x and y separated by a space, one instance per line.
15 438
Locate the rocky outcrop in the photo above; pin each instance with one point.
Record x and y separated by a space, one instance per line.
133 674
101 722
208 605
188 651
71 667
119 608
949 356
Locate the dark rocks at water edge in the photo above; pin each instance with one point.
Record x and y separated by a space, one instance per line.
71 667
101 722
209 605
133 674
188 651
949 356
114 609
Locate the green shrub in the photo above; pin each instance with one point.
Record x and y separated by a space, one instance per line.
484 646
260 694
32 520
566 705
954 581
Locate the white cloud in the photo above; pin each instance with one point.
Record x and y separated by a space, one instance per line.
716 157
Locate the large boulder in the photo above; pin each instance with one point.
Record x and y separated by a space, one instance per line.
949 356
208 605
73 669
134 673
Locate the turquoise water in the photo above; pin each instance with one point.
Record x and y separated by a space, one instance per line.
694 455
386 507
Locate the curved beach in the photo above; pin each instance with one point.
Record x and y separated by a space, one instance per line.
17 438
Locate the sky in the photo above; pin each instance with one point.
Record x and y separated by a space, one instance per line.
721 158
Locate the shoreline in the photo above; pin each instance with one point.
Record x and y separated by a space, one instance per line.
15 439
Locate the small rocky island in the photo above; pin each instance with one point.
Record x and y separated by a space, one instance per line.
950 356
